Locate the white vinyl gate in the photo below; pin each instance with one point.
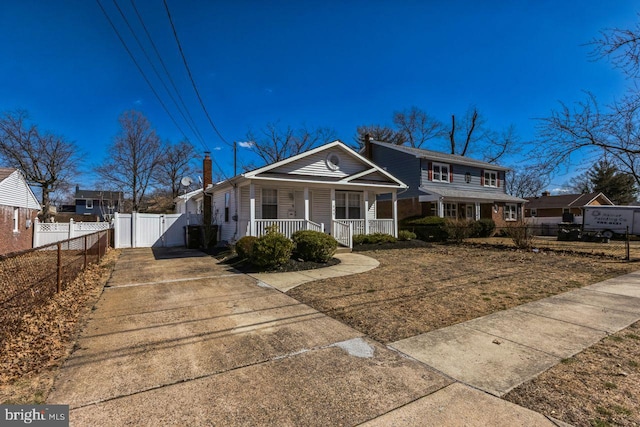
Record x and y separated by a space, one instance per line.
141 230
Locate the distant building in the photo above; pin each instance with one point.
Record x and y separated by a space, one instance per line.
546 205
99 203
19 208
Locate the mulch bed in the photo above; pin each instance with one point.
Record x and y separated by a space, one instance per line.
245 266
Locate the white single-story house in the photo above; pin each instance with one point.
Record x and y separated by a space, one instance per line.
190 202
330 188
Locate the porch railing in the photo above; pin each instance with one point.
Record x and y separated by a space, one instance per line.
381 226
375 226
343 232
286 226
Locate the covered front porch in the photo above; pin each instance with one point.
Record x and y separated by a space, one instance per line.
341 212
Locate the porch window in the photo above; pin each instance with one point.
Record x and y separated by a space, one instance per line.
440 172
89 204
510 212
450 210
269 203
348 205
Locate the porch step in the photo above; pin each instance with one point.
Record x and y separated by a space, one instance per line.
343 249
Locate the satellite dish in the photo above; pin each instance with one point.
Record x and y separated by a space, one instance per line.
186 181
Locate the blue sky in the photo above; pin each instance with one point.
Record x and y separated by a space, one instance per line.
329 63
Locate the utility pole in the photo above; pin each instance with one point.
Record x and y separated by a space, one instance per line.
235 158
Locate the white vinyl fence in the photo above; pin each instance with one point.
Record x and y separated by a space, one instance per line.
45 233
141 230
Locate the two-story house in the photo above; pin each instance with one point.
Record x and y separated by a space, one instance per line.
445 185
98 203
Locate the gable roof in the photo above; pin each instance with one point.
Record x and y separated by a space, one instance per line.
565 201
15 191
441 157
98 195
292 169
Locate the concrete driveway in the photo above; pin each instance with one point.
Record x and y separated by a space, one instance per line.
178 339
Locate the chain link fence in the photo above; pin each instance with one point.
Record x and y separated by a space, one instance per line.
29 279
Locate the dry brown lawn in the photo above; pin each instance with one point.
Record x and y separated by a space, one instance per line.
421 289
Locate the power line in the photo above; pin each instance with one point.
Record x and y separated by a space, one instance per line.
166 70
193 83
140 69
153 67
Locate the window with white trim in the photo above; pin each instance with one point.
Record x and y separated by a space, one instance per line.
490 178
440 172
451 210
269 203
89 204
534 212
348 205
16 220
510 212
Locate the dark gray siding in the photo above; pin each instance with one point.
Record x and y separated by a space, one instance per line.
459 182
403 166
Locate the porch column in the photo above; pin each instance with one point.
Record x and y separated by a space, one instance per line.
440 208
477 211
366 212
395 213
333 210
252 209
306 203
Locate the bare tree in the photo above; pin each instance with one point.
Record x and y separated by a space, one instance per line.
47 160
526 182
378 133
469 131
621 46
415 127
133 157
274 143
175 163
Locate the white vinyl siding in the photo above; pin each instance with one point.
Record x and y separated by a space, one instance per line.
14 191
316 165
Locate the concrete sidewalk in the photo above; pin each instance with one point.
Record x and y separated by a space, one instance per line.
500 351
177 339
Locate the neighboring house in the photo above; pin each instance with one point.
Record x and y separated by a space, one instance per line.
19 208
445 185
330 188
552 208
102 204
191 202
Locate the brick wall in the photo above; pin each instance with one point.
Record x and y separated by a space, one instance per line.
11 241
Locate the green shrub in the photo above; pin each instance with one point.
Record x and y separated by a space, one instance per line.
244 246
373 239
406 235
271 250
427 220
485 227
314 246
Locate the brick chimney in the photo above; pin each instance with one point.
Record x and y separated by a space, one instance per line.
207 180
546 193
367 146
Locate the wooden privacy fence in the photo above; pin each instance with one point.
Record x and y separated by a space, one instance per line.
28 279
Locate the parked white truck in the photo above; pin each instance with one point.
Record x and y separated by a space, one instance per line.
610 220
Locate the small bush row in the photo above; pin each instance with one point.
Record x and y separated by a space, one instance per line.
274 248
436 229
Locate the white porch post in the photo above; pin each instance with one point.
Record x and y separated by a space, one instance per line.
306 203
333 209
252 208
440 208
394 213
477 211
238 204
366 212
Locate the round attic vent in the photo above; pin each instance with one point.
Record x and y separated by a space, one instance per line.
333 161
